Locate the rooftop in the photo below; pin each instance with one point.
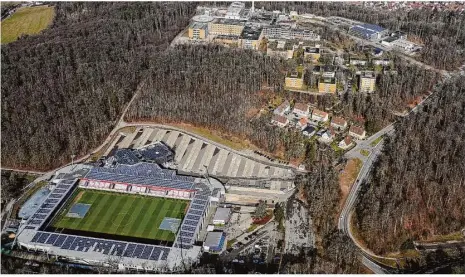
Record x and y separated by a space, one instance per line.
198 25
357 130
213 239
368 74
222 214
301 107
312 50
228 21
280 118
251 33
319 113
338 121
328 80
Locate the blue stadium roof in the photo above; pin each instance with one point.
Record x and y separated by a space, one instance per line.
373 27
141 174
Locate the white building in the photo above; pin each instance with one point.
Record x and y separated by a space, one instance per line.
301 109
222 216
318 115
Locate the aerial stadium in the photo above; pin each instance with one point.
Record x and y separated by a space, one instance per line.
130 213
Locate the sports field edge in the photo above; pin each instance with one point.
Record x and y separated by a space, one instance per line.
128 215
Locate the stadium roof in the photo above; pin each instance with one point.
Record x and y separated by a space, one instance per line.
50 204
125 156
147 174
373 27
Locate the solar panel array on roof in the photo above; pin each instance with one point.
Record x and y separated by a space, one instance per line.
140 174
106 247
157 153
373 27
193 216
50 204
125 156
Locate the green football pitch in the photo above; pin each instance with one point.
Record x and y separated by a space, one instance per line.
122 214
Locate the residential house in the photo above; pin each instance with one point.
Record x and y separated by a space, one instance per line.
381 62
309 131
303 122
357 132
301 109
339 123
346 143
280 120
318 115
282 109
358 62
329 135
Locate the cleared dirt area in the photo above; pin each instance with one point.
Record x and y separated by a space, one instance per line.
347 178
228 140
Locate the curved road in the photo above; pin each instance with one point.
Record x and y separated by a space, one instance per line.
345 217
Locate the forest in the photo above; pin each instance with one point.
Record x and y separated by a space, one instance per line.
417 187
63 90
219 88
441 32
334 253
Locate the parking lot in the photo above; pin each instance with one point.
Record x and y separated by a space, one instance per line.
298 232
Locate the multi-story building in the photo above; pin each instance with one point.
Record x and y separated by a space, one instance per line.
198 30
312 53
251 37
228 27
286 32
295 79
228 40
367 81
403 45
327 83
235 10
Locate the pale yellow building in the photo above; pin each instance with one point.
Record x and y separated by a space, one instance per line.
198 30
367 82
232 41
226 27
295 80
327 84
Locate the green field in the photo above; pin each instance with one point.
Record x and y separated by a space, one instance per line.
26 21
122 214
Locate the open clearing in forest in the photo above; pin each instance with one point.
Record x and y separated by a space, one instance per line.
26 21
